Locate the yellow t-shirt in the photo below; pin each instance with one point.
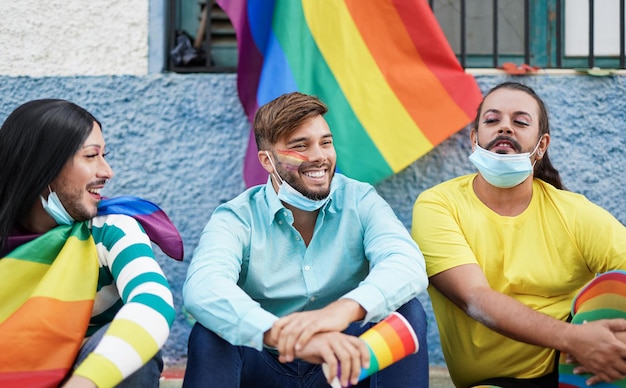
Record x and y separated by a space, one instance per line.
540 257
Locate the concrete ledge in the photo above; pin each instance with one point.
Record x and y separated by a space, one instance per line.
172 377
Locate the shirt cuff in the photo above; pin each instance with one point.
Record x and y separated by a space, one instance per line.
372 300
253 327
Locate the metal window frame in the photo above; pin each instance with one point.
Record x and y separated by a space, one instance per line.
543 40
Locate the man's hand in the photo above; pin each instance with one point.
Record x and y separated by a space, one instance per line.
599 348
337 350
291 333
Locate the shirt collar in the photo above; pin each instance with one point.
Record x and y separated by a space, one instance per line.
275 205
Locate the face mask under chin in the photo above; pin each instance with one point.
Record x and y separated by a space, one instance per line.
55 209
293 197
502 170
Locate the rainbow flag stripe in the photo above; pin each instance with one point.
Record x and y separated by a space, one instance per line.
47 297
291 160
385 69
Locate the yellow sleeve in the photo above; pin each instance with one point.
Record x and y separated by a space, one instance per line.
436 230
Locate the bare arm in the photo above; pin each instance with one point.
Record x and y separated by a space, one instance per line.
594 345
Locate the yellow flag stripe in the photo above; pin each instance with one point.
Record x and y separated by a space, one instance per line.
358 75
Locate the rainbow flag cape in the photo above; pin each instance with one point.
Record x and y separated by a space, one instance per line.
46 298
152 218
384 67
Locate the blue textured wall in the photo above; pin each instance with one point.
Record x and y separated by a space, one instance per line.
179 140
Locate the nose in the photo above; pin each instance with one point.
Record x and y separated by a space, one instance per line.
105 171
316 154
505 127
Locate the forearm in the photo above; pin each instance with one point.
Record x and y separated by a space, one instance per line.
515 320
226 309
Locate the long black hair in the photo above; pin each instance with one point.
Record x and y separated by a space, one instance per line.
544 169
36 140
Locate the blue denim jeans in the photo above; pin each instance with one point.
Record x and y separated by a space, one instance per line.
213 362
147 376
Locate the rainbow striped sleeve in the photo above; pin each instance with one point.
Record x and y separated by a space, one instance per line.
393 85
141 325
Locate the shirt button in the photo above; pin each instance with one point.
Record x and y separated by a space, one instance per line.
306 268
297 238
280 222
312 299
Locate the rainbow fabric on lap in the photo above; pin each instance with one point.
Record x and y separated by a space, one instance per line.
393 84
604 297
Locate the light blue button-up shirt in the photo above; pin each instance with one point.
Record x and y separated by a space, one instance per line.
252 266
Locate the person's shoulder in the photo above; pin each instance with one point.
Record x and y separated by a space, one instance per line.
568 202
567 196
348 189
121 221
447 188
246 197
343 182
249 203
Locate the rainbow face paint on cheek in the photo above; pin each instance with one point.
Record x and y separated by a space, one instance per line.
291 160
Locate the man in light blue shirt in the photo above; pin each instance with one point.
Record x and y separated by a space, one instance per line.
288 274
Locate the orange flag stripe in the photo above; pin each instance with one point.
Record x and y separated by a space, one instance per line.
14 358
404 68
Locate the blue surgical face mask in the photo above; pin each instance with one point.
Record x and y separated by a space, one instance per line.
502 170
55 209
293 197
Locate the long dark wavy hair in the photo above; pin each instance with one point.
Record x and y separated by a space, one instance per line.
36 141
544 169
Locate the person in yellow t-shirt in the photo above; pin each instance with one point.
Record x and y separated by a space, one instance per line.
506 251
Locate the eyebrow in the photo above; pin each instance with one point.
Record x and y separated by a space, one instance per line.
519 112
300 139
92 145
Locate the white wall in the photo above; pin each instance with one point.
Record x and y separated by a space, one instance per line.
73 37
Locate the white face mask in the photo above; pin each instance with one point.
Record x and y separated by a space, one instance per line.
503 170
55 209
293 197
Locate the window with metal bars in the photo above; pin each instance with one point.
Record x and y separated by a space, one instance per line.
546 34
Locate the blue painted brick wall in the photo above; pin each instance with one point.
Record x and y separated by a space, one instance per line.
179 140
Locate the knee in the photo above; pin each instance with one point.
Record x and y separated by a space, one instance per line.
414 312
202 338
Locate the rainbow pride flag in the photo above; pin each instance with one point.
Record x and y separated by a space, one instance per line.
384 67
47 293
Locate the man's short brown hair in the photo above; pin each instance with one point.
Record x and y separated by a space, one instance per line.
283 115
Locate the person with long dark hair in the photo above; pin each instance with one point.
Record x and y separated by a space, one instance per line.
83 302
508 248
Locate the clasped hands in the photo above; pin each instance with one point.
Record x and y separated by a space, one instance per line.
316 337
